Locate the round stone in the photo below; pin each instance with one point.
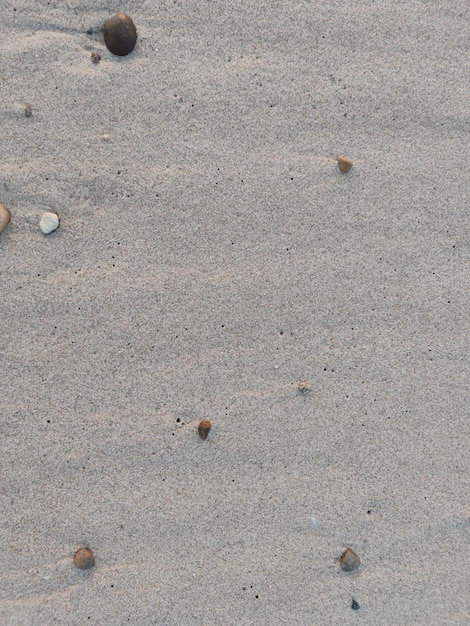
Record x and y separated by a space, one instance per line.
84 559
349 561
204 428
120 34
344 164
4 217
48 222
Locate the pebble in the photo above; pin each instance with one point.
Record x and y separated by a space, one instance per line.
204 428
344 163
48 222
120 34
355 605
28 111
84 559
349 561
4 217
95 57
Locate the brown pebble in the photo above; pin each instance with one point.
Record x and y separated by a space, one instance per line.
84 559
4 217
344 163
120 34
28 111
95 57
204 428
349 561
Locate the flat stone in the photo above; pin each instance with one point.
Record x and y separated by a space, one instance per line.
84 559
4 217
344 164
49 222
349 561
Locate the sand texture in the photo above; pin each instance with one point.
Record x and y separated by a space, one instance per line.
213 263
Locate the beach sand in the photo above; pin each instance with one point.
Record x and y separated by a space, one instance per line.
212 262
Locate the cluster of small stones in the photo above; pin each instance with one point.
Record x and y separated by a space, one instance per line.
120 37
48 223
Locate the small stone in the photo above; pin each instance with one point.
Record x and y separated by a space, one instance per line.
120 34
204 428
105 137
354 605
349 561
48 222
4 217
84 559
28 111
344 163
95 57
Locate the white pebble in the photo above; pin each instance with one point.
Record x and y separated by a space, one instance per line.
49 222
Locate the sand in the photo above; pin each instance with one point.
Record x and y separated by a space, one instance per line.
210 258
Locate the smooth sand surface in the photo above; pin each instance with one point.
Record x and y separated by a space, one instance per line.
210 257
